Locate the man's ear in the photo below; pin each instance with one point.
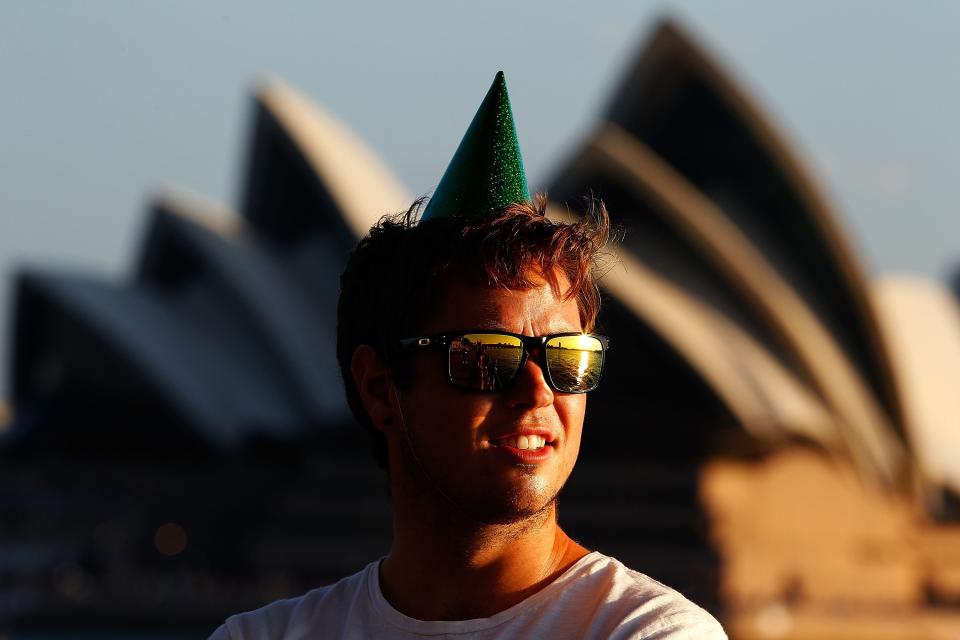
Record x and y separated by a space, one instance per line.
375 386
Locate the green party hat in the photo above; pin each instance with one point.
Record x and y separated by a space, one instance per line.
486 173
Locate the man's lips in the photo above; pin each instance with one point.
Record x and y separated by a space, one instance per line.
528 445
527 438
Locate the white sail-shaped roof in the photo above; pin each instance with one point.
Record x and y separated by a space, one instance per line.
359 185
819 361
765 397
189 354
920 323
187 230
691 112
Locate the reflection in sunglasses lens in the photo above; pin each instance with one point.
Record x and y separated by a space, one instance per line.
484 361
574 362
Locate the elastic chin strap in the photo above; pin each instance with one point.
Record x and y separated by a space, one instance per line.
421 469
396 397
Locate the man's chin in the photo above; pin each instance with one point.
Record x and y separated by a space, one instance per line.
514 509
512 498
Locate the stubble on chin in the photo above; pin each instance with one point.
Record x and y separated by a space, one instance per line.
519 509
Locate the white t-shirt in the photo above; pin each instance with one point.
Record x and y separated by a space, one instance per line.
598 597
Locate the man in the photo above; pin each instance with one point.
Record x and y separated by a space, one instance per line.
465 346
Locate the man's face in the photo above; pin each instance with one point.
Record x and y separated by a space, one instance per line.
457 447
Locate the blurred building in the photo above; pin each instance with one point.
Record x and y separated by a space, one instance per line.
777 432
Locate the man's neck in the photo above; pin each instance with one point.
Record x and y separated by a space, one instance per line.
459 570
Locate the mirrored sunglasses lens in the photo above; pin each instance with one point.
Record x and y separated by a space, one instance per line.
574 362
484 361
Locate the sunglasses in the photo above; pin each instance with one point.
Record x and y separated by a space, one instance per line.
489 361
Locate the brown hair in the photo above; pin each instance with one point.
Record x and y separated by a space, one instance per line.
395 276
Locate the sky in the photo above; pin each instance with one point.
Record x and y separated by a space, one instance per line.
103 103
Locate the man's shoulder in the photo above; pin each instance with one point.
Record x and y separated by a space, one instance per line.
288 617
629 603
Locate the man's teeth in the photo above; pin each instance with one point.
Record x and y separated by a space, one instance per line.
527 442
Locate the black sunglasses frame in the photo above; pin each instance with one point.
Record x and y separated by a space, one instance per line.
529 344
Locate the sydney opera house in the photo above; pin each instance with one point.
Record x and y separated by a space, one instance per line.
778 433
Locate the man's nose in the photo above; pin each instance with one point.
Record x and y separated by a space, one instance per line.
530 389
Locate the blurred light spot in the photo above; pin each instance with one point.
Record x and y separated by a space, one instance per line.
773 621
170 539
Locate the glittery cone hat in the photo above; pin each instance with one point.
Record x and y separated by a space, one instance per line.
486 173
